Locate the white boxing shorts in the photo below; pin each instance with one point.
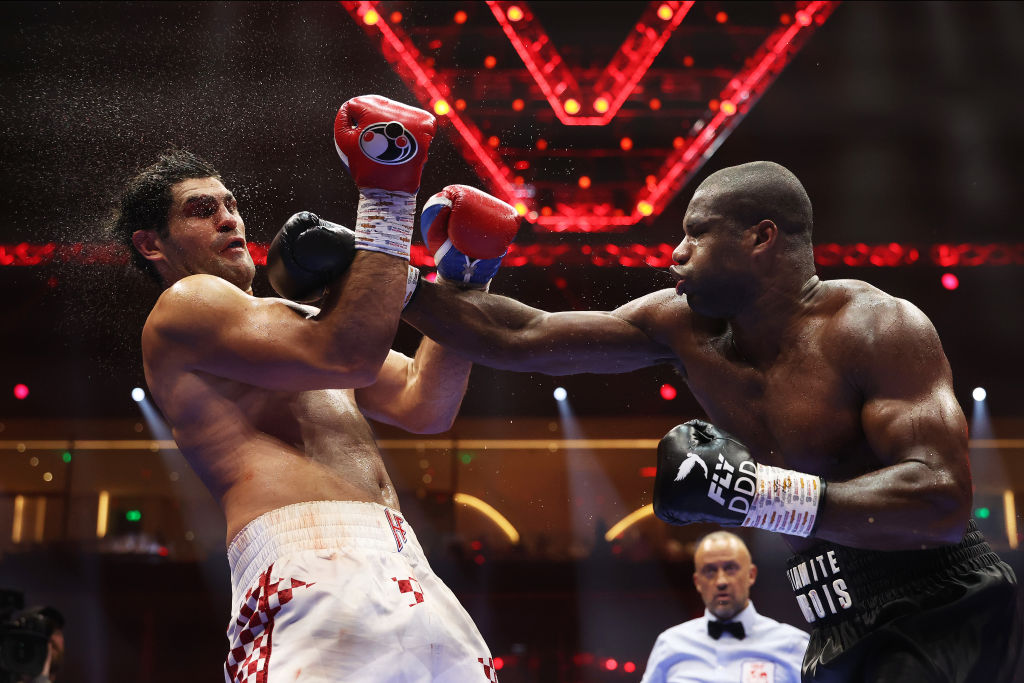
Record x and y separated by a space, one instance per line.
341 591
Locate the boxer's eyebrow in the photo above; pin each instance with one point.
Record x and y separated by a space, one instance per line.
694 225
205 196
199 199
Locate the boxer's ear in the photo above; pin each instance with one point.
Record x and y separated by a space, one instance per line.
146 242
765 234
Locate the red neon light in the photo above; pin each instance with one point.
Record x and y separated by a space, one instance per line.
558 82
745 89
560 87
608 255
429 87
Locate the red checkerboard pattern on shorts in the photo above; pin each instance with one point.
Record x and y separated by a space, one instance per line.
489 670
249 659
410 585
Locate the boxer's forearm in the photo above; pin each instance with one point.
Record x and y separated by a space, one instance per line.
482 327
361 312
907 506
503 333
438 380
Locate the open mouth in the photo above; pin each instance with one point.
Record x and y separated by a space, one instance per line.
237 243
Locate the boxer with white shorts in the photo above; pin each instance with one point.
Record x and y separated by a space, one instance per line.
268 401
341 591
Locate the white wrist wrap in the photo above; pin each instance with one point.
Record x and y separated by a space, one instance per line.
384 222
785 501
412 280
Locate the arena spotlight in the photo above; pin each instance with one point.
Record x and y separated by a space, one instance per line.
138 395
20 392
561 394
950 281
979 394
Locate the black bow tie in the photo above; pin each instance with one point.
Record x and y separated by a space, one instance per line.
716 628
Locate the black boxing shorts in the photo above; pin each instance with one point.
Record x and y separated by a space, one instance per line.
938 615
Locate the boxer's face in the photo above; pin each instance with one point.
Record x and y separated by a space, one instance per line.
714 271
723 576
205 234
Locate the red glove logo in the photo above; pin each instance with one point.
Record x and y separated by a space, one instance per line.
388 143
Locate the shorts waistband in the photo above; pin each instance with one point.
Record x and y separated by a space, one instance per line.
871 579
316 525
876 571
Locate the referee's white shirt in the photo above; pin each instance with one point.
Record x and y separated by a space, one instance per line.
771 652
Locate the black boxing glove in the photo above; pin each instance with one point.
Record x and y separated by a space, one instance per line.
307 254
706 475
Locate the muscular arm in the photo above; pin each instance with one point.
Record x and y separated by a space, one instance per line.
420 394
913 423
504 333
203 323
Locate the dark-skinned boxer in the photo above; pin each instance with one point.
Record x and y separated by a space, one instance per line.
268 401
836 425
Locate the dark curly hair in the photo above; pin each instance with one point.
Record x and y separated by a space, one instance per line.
146 199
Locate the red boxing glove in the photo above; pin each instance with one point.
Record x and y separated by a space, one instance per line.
383 143
468 232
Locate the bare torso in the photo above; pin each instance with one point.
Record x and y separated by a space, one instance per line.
258 449
800 410
832 378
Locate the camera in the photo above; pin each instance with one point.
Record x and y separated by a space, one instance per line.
24 637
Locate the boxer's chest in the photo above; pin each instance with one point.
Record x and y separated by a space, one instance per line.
314 419
799 412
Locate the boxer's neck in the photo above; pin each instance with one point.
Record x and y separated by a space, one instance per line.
760 331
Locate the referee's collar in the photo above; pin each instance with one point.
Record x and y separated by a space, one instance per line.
747 616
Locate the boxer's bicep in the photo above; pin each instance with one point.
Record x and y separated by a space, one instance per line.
917 492
574 342
386 400
911 418
631 337
420 394
211 326
910 411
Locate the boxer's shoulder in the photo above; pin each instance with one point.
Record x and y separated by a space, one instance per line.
198 290
866 326
191 306
858 310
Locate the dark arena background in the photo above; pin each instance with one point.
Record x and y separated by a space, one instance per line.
597 121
